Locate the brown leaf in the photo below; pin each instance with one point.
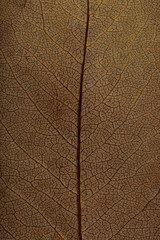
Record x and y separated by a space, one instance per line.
80 120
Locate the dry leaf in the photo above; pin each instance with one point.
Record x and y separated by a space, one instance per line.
80 94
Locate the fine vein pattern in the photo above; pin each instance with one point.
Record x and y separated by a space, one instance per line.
80 123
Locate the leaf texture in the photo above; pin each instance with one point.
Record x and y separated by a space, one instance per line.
80 94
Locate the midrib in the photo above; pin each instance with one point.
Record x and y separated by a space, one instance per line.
79 199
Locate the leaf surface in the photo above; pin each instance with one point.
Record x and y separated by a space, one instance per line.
80 87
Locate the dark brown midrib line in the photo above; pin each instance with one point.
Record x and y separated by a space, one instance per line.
79 201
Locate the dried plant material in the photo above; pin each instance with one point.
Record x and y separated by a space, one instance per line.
80 94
